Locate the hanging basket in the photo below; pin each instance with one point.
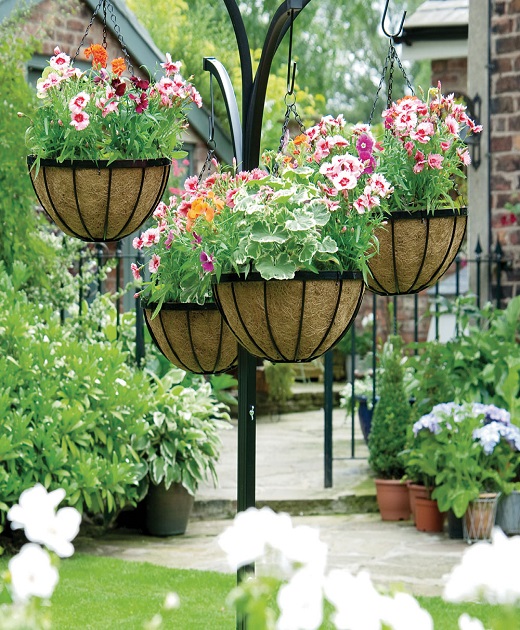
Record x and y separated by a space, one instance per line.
97 201
288 321
415 250
194 337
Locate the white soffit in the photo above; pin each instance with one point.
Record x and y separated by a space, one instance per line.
440 13
446 49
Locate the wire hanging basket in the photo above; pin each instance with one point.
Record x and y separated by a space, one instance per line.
415 250
99 200
194 337
289 321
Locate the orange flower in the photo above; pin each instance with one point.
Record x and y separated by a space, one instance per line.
301 139
199 207
99 55
118 66
218 202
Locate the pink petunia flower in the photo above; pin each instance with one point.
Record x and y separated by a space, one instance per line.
161 211
80 120
464 156
136 272
154 263
420 162
171 67
207 262
60 61
137 243
169 239
445 146
452 124
435 161
150 237
79 102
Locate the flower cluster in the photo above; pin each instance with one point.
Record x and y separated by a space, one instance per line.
343 161
423 152
33 572
112 116
465 449
293 573
179 261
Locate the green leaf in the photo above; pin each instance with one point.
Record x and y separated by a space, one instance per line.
281 269
262 233
302 221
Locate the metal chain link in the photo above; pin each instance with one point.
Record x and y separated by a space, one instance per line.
388 67
107 5
100 3
206 165
290 108
117 31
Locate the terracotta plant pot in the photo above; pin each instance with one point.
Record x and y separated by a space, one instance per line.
193 337
392 499
98 202
479 519
168 511
416 491
290 320
415 250
427 515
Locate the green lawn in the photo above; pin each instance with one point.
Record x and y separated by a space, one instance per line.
106 594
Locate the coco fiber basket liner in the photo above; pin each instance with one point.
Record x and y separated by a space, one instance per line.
290 320
193 337
415 250
97 202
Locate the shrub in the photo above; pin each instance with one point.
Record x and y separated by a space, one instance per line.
391 416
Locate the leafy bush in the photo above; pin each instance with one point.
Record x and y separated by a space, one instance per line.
71 411
391 415
183 444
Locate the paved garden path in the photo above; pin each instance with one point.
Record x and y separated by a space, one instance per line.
290 477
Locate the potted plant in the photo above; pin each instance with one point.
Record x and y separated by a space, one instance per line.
470 450
387 439
102 143
424 153
289 252
181 450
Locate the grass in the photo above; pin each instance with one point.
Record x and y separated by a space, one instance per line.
98 593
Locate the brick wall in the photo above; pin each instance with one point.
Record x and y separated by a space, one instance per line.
505 134
452 73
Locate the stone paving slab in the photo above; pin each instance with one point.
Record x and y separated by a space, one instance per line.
395 554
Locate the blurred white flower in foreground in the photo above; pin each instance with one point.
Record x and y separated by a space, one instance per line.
256 534
301 601
36 513
488 572
469 623
32 574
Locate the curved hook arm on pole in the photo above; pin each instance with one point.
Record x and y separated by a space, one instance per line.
286 13
383 20
216 69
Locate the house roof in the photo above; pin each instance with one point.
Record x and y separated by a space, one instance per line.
142 48
438 29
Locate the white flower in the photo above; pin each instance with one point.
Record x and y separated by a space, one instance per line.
301 601
36 513
245 541
172 601
355 599
403 612
32 574
487 571
302 545
469 623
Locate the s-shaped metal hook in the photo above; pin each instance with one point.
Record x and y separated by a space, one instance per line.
399 30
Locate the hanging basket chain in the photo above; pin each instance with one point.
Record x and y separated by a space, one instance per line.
290 105
388 68
104 4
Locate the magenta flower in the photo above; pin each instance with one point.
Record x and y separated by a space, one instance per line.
196 238
364 144
141 102
207 262
169 240
140 84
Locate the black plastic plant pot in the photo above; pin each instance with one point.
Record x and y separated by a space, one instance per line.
99 202
288 321
194 337
415 250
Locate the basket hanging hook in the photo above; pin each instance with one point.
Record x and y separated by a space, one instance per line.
383 20
291 65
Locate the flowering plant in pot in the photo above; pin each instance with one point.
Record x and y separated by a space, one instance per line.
104 125
181 449
299 235
423 151
468 449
